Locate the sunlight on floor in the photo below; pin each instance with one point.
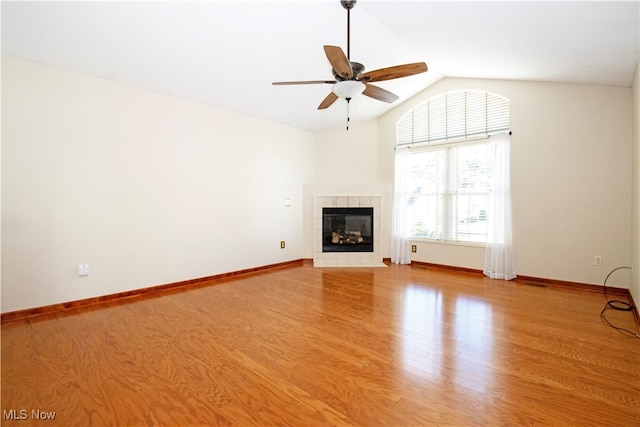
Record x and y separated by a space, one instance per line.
467 346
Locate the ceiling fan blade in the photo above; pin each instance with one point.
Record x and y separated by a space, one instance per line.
339 61
378 93
393 72
305 82
326 103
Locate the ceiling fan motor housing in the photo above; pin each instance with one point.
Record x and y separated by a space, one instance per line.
357 68
348 4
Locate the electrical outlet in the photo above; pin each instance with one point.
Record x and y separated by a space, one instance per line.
597 260
282 244
83 270
414 248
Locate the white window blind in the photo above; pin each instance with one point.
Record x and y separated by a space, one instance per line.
449 190
450 164
454 116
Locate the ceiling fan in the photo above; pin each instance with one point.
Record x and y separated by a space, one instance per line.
350 78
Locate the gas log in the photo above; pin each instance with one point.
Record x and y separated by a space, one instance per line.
346 237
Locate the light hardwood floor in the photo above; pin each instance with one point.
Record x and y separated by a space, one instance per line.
402 345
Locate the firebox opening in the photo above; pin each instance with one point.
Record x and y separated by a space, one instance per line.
347 229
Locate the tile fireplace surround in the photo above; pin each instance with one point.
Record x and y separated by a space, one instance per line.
346 259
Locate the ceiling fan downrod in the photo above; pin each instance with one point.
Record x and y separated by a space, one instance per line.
348 4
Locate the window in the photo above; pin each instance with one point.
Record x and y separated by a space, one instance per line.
449 166
449 191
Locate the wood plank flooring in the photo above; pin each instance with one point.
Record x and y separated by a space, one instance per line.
300 346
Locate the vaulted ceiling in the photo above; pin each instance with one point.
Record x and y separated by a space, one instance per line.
227 53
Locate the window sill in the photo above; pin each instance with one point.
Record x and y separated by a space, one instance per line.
447 242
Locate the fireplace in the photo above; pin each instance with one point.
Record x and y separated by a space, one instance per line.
360 228
347 229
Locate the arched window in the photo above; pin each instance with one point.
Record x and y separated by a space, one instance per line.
448 165
452 116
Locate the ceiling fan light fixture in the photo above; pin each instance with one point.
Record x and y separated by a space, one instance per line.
348 89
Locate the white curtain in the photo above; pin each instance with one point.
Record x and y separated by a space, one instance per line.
400 250
498 259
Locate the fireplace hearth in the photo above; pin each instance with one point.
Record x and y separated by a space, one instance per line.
347 229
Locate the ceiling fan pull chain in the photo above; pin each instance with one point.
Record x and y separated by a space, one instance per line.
348 99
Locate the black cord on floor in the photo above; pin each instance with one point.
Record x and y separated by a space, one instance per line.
615 305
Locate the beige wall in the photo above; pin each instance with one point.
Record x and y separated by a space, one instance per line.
571 178
145 188
347 164
635 231
347 156
148 189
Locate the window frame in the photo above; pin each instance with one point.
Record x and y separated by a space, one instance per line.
452 119
451 195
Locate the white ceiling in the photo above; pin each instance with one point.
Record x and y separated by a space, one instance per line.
227 53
